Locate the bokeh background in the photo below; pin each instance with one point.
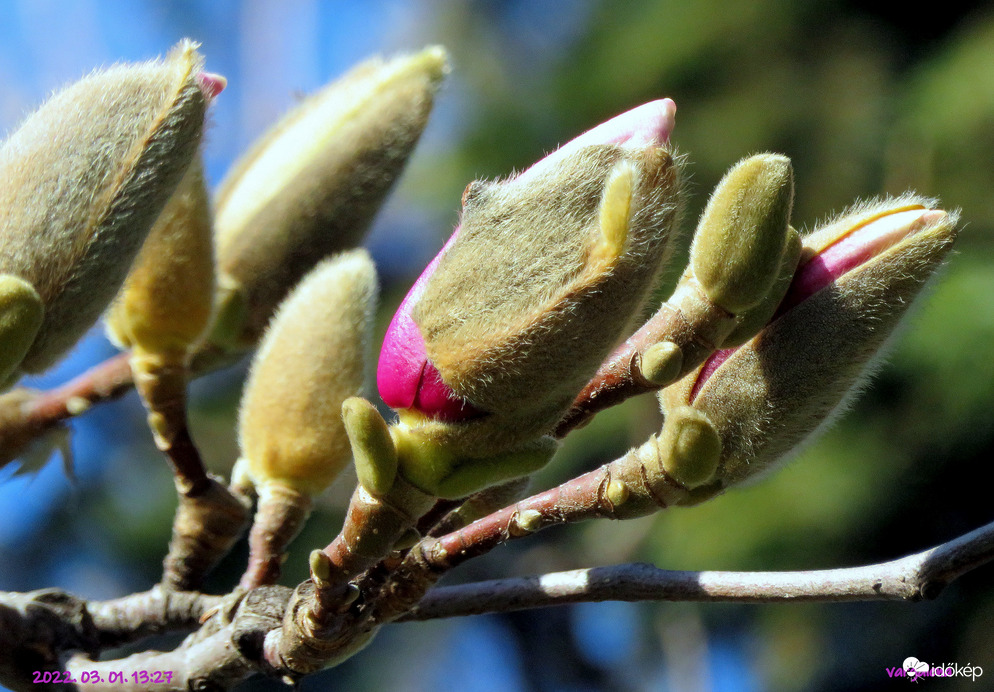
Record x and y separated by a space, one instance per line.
866 102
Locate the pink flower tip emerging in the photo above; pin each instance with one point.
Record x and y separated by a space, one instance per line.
850 250
648 125
405 377
211 84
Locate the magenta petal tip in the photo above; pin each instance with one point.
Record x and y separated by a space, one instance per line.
211 84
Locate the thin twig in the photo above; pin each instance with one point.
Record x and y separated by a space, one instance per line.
920 576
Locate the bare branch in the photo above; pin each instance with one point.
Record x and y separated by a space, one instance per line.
919 576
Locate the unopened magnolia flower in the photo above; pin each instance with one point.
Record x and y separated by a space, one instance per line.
546 272
312 184
749 406
85 177
293 441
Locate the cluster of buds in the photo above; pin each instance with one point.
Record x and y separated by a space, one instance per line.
507 337
527 322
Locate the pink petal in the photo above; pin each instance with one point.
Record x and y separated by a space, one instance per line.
648 125
211 84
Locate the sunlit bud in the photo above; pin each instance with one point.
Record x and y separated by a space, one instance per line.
165 303
311 185
372 448
856 278
547 271
85 177
748 323
293 441
435 466
740 240
310 361
21 315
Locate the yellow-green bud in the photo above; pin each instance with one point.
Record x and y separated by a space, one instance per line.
311 185
427 462
689 447
165 303
372 448
85 177
739 243
21 315
310 361
752 320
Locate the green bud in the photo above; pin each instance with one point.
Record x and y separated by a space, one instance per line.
752 320
738 247
85 176
311 360
430 464
21 315
311 186
372 448
689 447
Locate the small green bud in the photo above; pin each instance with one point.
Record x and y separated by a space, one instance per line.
428 463
311 360
661 362
738 247
85 177
310 187
372 447
21 315
689 447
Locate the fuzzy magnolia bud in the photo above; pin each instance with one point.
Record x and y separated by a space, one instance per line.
85 177
165 303
545 274
309 363
740 240
311 185
856 279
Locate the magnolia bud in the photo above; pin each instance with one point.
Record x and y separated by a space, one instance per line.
293 440
740 240
165 303
85 177
311 185
856 279
545 274
310 361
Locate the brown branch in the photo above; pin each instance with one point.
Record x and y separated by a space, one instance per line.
26 415
136 616
688 320
921 576
624 488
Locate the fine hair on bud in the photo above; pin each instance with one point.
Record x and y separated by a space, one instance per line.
310 361
768 396
311 185
739 243
166 301
570 253
85 177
